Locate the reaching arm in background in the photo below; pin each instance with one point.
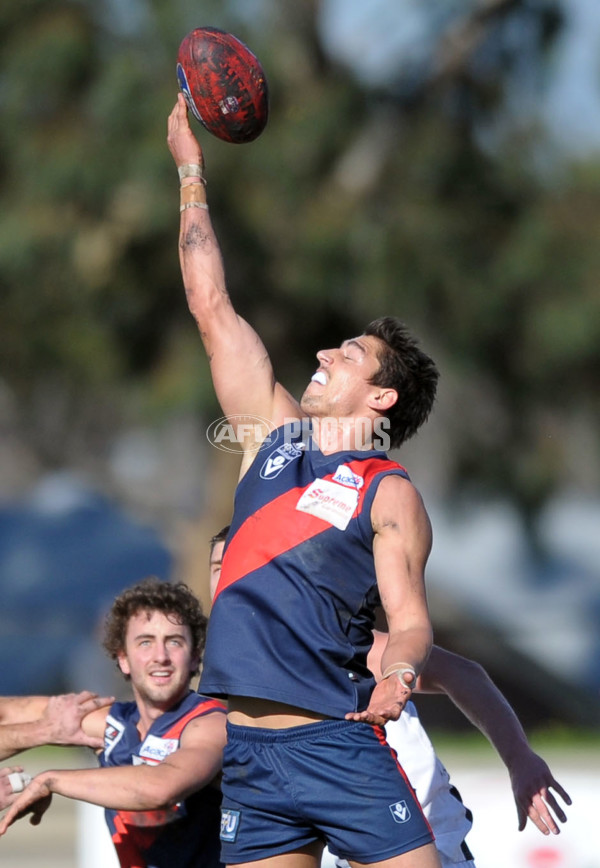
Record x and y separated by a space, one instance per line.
471 689
194 765
31 721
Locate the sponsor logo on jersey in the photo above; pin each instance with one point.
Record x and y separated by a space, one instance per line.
230 823
155 749
345 476
113 731
278 460
329 501
400 812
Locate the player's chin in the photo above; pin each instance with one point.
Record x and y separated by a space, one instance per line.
310 401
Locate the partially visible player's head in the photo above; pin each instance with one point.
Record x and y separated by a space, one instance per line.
403 366
217 544
175 601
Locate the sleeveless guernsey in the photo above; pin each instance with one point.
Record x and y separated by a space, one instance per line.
293 612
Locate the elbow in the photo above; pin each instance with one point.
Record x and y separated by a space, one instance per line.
204 303
473 671
446 671
158 798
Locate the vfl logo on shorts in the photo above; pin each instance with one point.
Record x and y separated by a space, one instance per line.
230 823
400 812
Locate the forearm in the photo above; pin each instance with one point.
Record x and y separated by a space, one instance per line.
127 788
494 717
17 709
199 253
472 691
23 736
21 724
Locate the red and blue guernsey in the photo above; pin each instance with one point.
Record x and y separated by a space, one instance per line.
293 612
186 835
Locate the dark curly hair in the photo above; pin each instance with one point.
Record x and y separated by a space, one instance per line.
403 366
175 600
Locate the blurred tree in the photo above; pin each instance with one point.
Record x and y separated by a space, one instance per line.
358 200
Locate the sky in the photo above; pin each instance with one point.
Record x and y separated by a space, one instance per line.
374 37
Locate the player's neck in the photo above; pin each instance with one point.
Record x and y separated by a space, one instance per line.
342 435
151 711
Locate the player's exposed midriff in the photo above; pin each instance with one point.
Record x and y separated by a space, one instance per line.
252 711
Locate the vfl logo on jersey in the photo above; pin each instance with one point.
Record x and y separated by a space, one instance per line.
345 476
333 503
400 812
155 749
230 823
113 732
279 459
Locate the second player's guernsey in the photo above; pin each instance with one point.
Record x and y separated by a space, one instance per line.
293 612
186 835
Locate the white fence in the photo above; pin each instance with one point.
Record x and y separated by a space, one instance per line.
494 839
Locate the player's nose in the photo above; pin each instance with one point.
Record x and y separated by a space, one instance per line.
325 356
161 652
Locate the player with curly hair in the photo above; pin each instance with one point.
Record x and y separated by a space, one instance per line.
162 752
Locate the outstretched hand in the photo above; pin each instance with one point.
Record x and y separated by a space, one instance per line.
387 701
182 142
531 780
35 800
64 715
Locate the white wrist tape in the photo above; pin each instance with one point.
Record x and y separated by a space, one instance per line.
401 670
18 781
190 170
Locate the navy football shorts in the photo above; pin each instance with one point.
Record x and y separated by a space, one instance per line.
336 781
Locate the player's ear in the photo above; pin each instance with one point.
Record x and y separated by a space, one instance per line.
382 399
123 663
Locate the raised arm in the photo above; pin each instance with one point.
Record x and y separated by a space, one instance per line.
240 366
31 721
401 546
193 766
472 690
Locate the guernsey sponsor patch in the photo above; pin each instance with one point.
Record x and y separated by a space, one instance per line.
155 749
330 501
345 476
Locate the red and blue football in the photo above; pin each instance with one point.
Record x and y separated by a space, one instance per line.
224 84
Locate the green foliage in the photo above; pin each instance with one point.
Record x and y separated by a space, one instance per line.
352 204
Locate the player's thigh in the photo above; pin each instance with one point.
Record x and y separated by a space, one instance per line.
423 857
308 856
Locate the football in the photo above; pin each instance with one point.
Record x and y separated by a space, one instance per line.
224 84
